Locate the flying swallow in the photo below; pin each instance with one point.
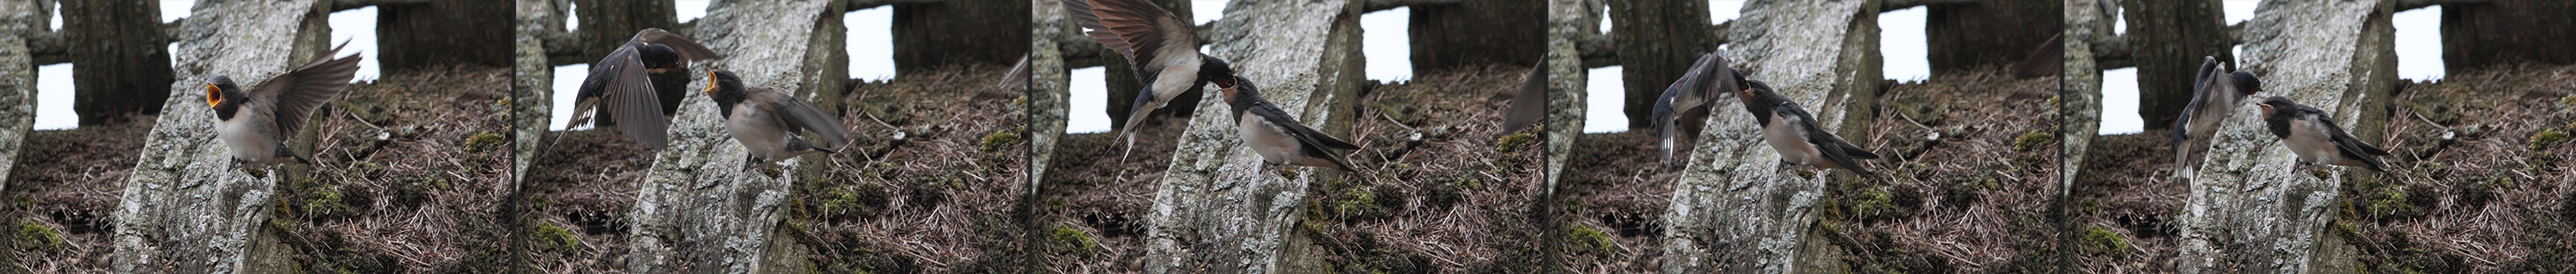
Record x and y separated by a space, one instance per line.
1793 132
766 120
621 82
255 123
1159 45
1278 137
2313 135
1682 110
1529 103
2215 95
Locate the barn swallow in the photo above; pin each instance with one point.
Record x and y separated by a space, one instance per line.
1278 137
1682 110
622 83
766 120
256 122
1793 132
2313 135
1159 45
2215 95
1529 103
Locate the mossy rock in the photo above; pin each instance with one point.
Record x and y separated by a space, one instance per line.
1587 240
1514 142
32 236
1067 239
2547 138
2034 140
999 140
552 238
484 141
2098 241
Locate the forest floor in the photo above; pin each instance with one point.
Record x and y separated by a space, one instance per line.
1974 199
1453 192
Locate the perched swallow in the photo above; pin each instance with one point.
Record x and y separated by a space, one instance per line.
1279 138
256 122
1529 103
766 119
2215 95
622 83
1794 133
2313 135
1682 110
1158 44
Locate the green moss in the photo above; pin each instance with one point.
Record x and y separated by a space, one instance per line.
554 238
1357 202
2033 140
32 236
2102 241
1065 238
1514 141
1592 241
326 201
2390 202
999 140
2547 138
842 202
483 141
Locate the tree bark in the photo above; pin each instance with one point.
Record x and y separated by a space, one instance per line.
949 34
700 210
2505 32
1962 37
1217 209
17 82
1731 214
1657 41
2249 209
121 63
2168 54
1476 33
445 32
184 210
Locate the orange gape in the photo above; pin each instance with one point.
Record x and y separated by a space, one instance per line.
711 82
214 95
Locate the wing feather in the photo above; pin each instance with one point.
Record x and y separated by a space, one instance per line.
1832 147
296 93
795 114
689 49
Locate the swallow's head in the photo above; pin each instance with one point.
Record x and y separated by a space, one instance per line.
215 90
1216 70
2274 104
2246 83
1753 90
658 57
1240 87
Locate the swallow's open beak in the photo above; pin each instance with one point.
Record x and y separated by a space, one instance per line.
711 83
214 95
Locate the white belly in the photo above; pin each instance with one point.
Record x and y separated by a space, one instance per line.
1271 141
1789 141
767 144
2312 147
242 138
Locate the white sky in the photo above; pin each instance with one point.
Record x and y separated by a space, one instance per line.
2418 45
1382 41
871 49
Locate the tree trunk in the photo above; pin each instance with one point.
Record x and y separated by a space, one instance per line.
2505 32
17 82
1217 209
931 35
699 210
119 65
2250 211
2169 54
444 32
185 210
1988 33
1730 214
1475 33
1564 122
1657 41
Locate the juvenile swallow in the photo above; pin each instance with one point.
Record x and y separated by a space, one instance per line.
1793 132
1682 110
1529 103
766 120
1158 44
1279 138
255 123
623 84
2313 135
2215 95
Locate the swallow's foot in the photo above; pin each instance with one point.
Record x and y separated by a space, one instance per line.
771 170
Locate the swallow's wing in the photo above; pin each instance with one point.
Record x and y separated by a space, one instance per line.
1311 137
1833 148
2344 142
689 50
296 93
1530 103
629 95
795 114
1137 28
1693 88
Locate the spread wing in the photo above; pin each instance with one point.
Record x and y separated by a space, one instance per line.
1833 148
628 95
2199 91
1705 78
795 114
1304 134
1530 103
295 94
1138 29
689 50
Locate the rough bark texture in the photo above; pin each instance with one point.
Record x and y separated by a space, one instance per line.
607 24
1988 33
2168 54
2080 97
17 82
1564 122
532 87
2250 211
1217 210
1731 213
2504 32
120 66
699 211
444 32
1122 76
1657 41
1050 92
925 35
1476 33
185 210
